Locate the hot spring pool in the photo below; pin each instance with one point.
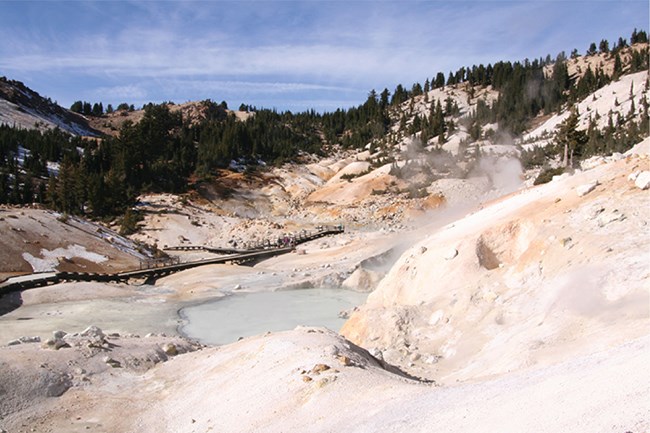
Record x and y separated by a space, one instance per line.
224 320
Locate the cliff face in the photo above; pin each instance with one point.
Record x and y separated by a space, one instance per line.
533 278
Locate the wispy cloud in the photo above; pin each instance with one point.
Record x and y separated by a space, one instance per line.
252 86
125 93
311 48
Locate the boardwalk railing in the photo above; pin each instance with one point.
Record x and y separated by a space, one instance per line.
281 241
160 269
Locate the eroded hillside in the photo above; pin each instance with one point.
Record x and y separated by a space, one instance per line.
541 275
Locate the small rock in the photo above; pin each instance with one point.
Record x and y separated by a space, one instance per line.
322 382
609 217
451 254
319 368
344 360
585 189
60 344
566 242
112 362
423 250
376 353
36 339
307 379
170 349
642 181
59 334
632 177
14 342
597 211
432 359
93 332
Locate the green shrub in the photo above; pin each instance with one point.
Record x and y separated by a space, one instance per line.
129 223
547 175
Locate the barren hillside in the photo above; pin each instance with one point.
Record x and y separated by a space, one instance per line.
542 275
35 240
494 303
23 108
535 303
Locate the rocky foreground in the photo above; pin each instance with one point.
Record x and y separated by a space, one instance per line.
529 314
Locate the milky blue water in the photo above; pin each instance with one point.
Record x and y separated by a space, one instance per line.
227 319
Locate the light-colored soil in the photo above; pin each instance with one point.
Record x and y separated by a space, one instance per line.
33 235
527 313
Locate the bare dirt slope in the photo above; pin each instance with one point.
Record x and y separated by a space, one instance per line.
35 240
24 108
529 314
311 380
541 276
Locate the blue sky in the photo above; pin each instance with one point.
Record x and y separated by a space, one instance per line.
289 55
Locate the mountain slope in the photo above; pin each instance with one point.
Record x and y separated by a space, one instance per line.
24 108
542 275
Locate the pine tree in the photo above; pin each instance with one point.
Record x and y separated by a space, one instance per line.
440 80
77 107
618 67
400 95
639 37
571 139
97 109
52 196
592 49
383 98
129 223
4 187
28 191
451 80
66 187
416 90
41 193
14 195
604 46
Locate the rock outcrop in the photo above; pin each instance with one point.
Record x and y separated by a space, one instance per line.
531 281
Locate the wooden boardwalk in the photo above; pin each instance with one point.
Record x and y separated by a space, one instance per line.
151 274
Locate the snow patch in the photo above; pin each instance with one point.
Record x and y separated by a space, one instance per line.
74 251
50 259
40 265
53 168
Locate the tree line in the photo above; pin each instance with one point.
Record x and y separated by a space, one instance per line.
163 153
